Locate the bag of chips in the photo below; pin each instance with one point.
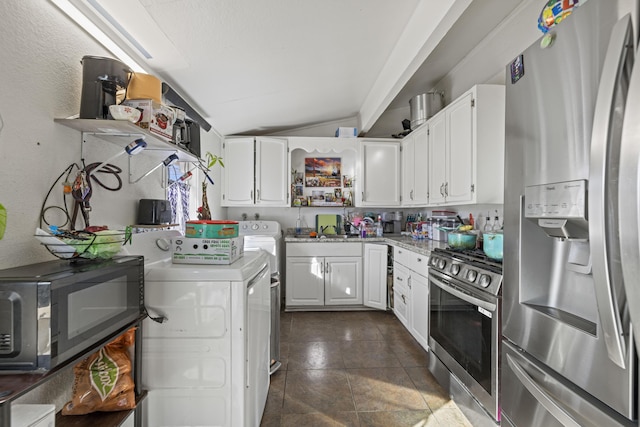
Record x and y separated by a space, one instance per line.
103 380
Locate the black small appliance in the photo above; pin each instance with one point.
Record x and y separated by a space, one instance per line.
104 82
154 212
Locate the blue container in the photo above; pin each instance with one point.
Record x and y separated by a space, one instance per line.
492 245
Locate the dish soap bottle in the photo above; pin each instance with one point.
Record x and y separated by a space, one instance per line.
379 227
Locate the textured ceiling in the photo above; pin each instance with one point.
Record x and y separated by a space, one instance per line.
258 67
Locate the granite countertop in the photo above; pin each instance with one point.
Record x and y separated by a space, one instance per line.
423 247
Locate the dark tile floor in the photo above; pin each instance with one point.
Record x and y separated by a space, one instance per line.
354 369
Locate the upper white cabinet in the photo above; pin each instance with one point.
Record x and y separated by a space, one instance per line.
255 172
415 171
378 183
466 149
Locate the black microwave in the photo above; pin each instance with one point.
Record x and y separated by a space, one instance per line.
54 310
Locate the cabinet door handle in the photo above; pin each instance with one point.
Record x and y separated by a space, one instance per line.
442 189
403 299
419 259
322 267
411 194
327 270
409 283
399 279
446 189
257 195
363 196
251 194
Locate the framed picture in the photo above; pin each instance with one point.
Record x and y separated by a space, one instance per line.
322 172
347 182
337 193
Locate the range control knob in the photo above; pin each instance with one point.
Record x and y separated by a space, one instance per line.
454 269
441 264
434 261
472 275
485 280
255 226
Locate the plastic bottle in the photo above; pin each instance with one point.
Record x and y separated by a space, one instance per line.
472 222
363 230
298 227
136 146
379 227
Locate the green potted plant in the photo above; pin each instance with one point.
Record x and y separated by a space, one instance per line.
203 211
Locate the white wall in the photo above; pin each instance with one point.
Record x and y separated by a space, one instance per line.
40 79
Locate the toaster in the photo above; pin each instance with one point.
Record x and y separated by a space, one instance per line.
154 212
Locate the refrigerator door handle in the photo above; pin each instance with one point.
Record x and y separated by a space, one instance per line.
629 196
599 229
547 401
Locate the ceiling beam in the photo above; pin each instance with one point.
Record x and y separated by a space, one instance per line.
426 28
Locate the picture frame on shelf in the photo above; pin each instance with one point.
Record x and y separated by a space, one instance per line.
322 172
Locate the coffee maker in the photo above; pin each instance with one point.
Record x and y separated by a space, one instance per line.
104 83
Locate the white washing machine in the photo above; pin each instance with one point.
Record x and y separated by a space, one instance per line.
208 363
267 236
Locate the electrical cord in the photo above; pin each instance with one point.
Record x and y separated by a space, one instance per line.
88 169
64 208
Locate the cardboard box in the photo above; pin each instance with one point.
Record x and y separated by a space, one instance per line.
207 251
346 132
156 118
209 229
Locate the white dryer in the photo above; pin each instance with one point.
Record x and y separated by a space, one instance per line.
208 363
267 236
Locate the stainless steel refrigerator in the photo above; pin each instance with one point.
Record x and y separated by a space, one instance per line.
568 353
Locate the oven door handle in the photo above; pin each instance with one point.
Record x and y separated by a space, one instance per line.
467 298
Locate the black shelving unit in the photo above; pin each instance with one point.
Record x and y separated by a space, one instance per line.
12 386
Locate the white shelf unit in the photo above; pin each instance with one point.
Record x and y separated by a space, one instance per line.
122 133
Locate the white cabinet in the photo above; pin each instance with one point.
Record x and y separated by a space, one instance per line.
415 190
401 296
419 325
379 180
343 280
255 172
411 293
437 150
323 274
466 149
375 276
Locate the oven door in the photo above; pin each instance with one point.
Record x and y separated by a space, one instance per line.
465 335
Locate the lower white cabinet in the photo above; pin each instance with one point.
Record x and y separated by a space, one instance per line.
401 296
375 276
411 293
323 274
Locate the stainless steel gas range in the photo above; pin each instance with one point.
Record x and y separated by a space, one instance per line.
465 330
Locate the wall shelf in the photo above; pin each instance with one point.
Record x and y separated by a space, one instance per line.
122 132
